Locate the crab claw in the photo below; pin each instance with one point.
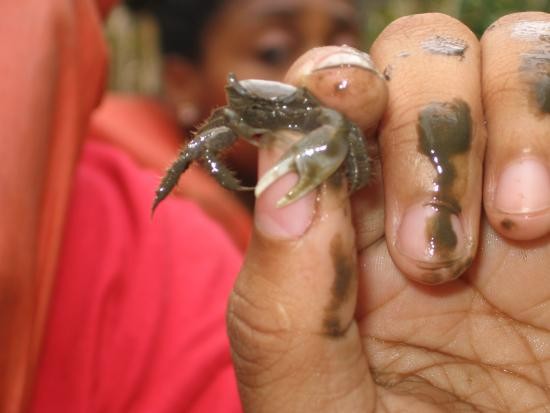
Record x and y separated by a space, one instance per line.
315 158
170 179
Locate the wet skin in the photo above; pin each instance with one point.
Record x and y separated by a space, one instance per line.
444 131
469 345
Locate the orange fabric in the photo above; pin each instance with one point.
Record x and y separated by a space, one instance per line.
104 6
144 130
53 68
137 319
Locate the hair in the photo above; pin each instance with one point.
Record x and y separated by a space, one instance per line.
181 23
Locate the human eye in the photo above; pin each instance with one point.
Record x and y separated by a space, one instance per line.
273 56
274 48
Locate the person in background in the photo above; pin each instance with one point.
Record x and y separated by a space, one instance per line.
201 42
136 321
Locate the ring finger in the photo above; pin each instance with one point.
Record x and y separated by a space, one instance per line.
516 92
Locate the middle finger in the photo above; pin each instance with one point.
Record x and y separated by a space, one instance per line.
432 140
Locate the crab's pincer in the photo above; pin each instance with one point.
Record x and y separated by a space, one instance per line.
314 158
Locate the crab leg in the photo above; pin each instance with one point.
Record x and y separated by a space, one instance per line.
205 146
358 163
315 158
225 176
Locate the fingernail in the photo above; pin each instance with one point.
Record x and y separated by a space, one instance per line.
523 187
432 236
342 56
331 57
288 222
347 79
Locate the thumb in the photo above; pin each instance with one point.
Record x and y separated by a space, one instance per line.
294 340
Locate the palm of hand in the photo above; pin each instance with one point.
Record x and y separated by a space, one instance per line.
304 338
481 343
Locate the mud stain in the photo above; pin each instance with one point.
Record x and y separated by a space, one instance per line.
444 131
344 277
535 67
507 224
446 46
442 236
535 63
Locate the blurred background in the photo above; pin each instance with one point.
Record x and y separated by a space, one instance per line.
133 36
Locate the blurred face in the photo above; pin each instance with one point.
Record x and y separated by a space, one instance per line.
257 39
261 38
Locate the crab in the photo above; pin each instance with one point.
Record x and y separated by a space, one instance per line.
257 109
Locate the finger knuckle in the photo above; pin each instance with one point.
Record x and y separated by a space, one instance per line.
419 25
255 325
505 22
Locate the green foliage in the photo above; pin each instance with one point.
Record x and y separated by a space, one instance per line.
477 14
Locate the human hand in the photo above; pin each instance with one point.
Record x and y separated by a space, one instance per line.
328 313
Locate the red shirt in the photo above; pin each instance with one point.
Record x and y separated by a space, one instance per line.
137 322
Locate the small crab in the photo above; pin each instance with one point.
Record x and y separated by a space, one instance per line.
259 108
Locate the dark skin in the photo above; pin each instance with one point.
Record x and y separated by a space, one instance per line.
329 315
